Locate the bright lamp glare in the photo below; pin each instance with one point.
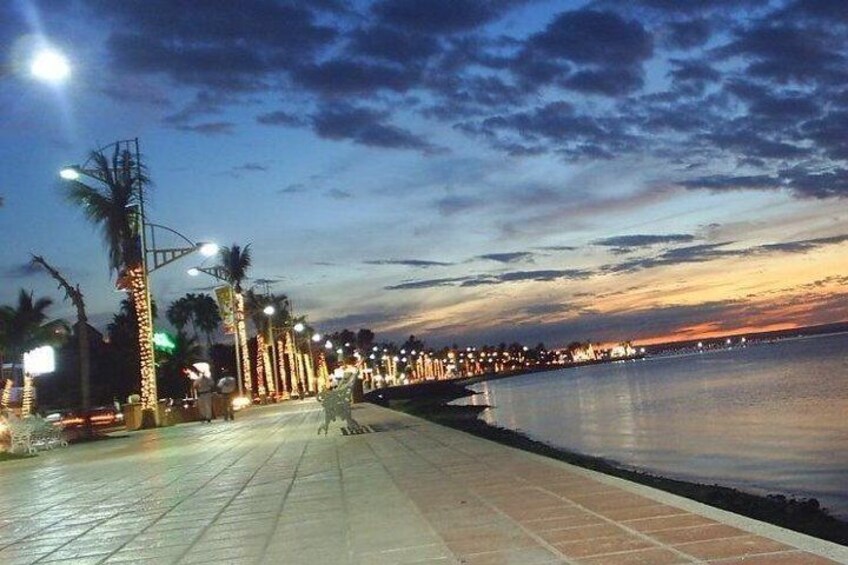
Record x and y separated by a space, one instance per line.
193 272
40 360
69 173
208 249
269 310
298 327
316 338
50 66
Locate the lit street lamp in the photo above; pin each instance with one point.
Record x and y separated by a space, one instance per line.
136 278
219 274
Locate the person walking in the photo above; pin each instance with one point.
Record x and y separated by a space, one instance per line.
227 386
204 386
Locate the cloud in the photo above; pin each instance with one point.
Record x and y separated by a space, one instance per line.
542 275
294 188
440 16
408 263
23 271
281 118
338 194
456 204
209 128
428 283
367 127
230 47
514 257
623 244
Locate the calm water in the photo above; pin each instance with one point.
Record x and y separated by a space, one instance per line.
767 419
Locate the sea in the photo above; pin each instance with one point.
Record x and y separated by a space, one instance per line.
767 418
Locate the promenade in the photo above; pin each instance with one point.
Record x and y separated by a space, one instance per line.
268 489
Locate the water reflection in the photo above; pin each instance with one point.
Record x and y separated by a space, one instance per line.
766 418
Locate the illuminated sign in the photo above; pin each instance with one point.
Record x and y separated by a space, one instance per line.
40 360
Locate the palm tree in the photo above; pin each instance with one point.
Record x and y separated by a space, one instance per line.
25 327
74 294
113 207
180 311
235 262
207 318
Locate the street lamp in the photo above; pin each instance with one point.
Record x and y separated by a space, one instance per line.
269 310
135 279
219 274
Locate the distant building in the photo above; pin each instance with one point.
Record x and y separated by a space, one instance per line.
583 352
622 351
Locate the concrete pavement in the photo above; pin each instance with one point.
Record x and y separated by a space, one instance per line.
268 489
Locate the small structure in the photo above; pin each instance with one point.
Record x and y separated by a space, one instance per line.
337 404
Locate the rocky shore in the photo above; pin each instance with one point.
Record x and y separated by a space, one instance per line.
431 401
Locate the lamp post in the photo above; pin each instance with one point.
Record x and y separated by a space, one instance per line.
136 278
218 274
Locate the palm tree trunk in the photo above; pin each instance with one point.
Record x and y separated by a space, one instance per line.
140 297
241 332
76 297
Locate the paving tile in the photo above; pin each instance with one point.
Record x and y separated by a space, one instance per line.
667 522
654 556
732 547
524 556
581 533
783 558
697 533
601 546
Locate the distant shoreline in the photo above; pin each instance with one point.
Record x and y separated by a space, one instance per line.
431 400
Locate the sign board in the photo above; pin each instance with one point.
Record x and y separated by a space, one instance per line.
224 297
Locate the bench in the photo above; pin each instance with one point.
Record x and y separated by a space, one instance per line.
336 403
33 433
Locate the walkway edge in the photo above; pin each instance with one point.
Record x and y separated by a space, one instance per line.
801 541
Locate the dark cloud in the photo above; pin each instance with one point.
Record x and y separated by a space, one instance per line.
713 251
440 16
367 127
429 283
805 245
281 118
338 194
209 128
558 248
592 37
623 244
514 257
394 45
689 33
343 77
229 46
293 188
408 263
544 275
456 204
22 271
802 182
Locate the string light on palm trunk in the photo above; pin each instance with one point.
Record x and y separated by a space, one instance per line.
140 300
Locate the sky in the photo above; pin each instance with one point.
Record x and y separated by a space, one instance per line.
463 170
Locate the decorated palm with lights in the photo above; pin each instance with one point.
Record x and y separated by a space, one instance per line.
115 204
25 327
234 265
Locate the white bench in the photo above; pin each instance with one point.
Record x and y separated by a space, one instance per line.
28 435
